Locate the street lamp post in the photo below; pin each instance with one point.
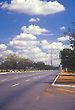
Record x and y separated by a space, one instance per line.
51 57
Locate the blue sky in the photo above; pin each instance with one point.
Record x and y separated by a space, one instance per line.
55 21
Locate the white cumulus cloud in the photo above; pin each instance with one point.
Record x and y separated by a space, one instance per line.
24 41
7 52
54 45
3 47
63 39
62 28
34 7
27 45
25 36
34 20
35 30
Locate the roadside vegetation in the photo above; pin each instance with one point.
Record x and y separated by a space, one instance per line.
68 60
15 63
68 55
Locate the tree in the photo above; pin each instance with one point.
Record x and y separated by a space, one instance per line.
68 59
40 65
68 55
13 62
24 64
71 33
72 40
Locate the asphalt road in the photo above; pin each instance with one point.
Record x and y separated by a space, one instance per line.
33 91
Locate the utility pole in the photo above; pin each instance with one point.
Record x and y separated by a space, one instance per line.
51 58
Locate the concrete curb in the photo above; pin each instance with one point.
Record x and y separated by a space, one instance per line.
55 79
63 85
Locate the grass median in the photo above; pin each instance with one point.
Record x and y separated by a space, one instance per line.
66 78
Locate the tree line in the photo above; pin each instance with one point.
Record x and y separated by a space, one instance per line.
16 63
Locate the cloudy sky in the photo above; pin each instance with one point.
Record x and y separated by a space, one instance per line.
34 28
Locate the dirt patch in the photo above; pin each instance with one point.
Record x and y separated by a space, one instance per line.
52 91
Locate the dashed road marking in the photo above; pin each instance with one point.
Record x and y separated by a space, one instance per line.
4 73
27 80
15 85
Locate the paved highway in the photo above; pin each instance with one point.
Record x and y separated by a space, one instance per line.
33 91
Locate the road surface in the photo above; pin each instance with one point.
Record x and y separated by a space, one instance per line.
33 91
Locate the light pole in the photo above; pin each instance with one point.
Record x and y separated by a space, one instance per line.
51 57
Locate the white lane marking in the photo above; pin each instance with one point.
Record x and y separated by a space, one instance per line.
5 73
27 80
15 85
39 77
4 80
36 77
55 79
63 85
